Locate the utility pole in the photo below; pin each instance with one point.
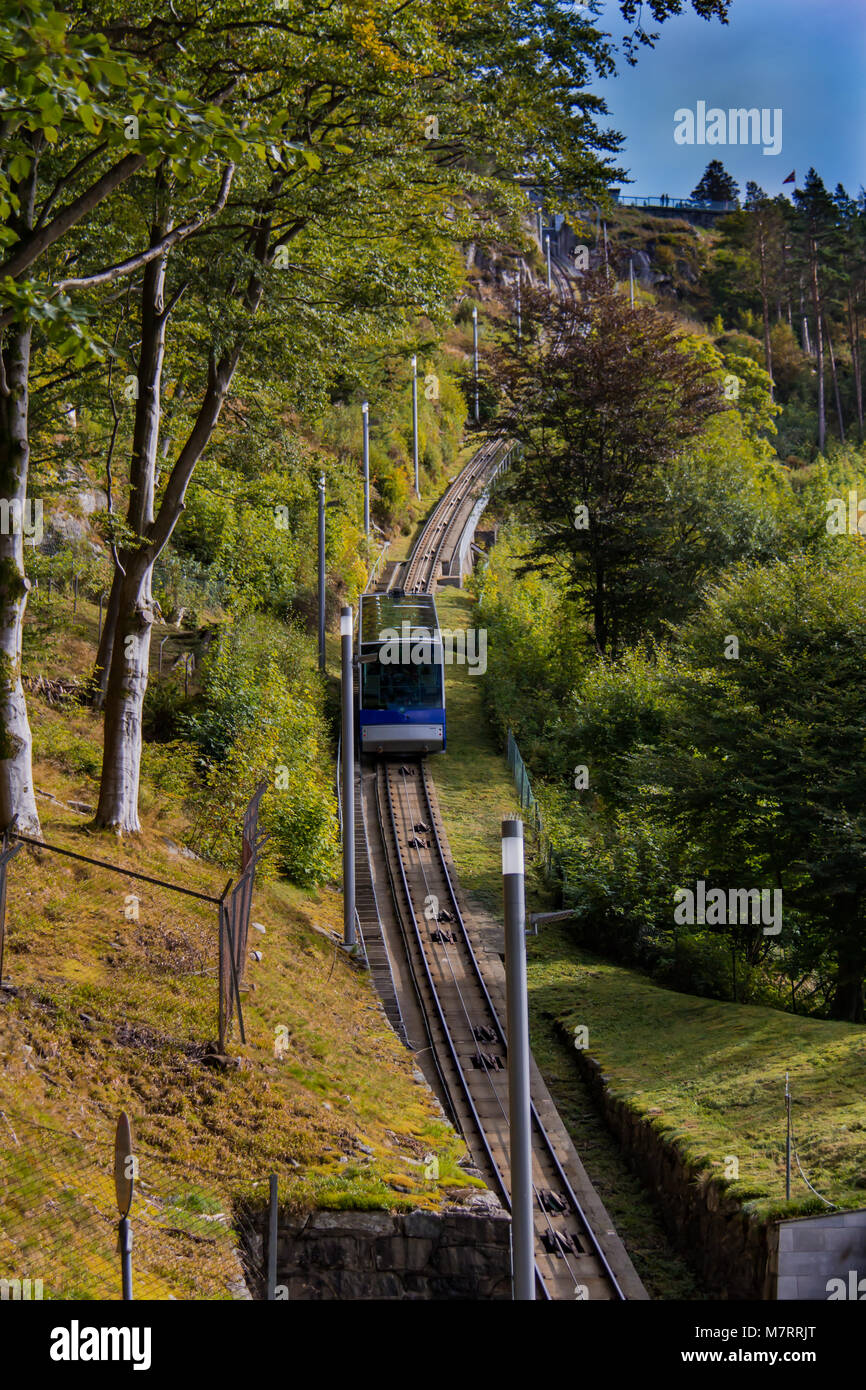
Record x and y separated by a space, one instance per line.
348 770
519 1101
365 410
415 422
519 318
475 356
321 571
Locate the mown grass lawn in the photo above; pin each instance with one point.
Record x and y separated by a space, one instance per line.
710 1075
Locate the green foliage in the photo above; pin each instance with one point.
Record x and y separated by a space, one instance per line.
260 721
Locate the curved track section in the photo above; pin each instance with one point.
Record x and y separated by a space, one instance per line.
420 573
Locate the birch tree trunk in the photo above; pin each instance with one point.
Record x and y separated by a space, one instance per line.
17 797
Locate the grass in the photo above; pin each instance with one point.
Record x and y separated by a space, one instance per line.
113 1013
715 1086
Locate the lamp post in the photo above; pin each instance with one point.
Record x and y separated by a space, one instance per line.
365 410
415 422
549 266
631 280
348 770
519 1097
475 357
321 571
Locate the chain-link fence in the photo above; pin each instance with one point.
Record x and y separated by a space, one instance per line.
59 1220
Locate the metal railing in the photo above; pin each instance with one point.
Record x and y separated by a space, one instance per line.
552 860
686 204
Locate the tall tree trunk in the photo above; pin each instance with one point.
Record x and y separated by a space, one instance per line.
765 303
17 797
854 333
835 381
124 703
819 344
145 439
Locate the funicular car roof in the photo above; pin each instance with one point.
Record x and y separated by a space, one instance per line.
389 611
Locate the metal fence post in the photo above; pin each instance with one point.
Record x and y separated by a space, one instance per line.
519 1101
475 358
272 1238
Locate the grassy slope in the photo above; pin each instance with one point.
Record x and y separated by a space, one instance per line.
710 1075
112 1013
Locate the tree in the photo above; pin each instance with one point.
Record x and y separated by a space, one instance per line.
77 122
815 224
140 96
601 397
716 185
762 766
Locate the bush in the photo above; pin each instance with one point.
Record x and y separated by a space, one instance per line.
261 721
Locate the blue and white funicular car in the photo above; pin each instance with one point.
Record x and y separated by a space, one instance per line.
401 687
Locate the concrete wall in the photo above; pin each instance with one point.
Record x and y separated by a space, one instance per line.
812 1250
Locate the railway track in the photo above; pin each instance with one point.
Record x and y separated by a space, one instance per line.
420 572
450 1018
467 1037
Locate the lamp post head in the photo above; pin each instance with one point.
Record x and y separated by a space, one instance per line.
414 364
474 313
365 407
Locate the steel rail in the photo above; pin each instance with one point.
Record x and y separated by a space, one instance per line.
572 1195
437 1003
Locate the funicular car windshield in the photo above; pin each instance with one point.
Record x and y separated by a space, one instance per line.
401 686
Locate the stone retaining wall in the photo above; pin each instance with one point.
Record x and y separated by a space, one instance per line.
730 1250
455 1254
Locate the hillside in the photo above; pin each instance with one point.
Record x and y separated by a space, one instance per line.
102 1013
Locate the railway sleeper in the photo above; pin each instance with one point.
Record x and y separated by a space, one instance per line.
443 938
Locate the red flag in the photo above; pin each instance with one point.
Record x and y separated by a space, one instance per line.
792 177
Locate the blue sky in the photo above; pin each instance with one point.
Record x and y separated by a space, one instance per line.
807 57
